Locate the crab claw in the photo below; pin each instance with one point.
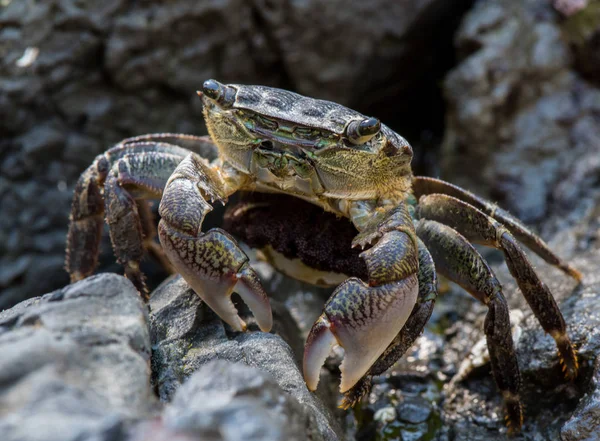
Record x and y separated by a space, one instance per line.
363 320
215 267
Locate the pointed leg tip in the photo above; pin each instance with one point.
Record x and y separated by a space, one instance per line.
573 272
76 276
514 416
346 404
567 356
570 368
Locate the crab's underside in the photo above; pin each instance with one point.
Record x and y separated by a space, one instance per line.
266 140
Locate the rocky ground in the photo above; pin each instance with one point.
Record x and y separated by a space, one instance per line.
520 122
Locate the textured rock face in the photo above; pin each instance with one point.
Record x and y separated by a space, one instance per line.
188 337
74 363
231 401
76 77
522 126
585 422
521 120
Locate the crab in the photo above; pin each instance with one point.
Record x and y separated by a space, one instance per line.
343 163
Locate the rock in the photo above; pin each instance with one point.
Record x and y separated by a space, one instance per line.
414 410
187 336
520 119
232 401
585 422
582 29
74 363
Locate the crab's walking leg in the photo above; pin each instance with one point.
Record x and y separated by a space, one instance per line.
85 225
134 177
410 331
480 228
88 208
212 262
150 233
364 318
456 259
424 186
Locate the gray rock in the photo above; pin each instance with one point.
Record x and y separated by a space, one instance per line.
74 363
233 402
520 120
585 422
187 336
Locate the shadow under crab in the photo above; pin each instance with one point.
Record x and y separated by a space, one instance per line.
274 141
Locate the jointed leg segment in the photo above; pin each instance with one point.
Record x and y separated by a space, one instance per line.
482 229
212 263
117 184
450 217
456 259
424 186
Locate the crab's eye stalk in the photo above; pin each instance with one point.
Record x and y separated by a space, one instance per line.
222 94
359 132
212 89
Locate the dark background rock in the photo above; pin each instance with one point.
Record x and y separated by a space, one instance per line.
520 120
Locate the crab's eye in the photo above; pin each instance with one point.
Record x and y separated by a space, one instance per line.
211 89
222 94
359 132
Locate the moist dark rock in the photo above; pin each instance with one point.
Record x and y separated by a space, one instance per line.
584 423
522 124
187 337
74 363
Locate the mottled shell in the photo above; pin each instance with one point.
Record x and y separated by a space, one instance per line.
300 110
297 109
